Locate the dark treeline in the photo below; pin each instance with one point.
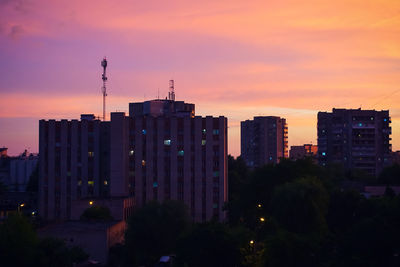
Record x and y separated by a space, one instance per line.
20 246
291 214
295 213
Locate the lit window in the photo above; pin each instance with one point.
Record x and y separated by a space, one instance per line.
143 162
372 118
203 142
167 142
204 131
360 124
215 205
323 153
105 182
131 152
155 184
384 119
90 154
90 202
144 131
181 153
80 182
91 183
215 132
270 158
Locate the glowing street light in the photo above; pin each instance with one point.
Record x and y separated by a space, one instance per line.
251 242
262 219
20 206
90 203
259 205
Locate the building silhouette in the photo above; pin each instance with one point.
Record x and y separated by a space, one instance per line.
355 138
160 151
304 151
264 140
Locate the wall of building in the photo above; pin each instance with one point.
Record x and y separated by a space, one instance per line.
264 140
174 155
355 138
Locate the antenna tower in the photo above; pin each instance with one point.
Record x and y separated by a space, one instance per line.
171 93
103 89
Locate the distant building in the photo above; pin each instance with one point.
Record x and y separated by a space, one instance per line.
160 151
358 139
264 140
95 238
4 166
396 157
21 169
3 152
379 190
304 151
15 172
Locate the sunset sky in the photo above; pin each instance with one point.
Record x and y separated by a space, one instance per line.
234 58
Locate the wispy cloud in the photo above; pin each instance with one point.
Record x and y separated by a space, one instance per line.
269 57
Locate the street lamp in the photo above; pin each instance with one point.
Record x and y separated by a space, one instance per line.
20 206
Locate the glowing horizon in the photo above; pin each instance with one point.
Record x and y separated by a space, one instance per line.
229 58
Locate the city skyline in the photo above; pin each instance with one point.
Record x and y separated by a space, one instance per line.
231 58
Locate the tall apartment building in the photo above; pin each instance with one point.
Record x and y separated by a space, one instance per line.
160 151
264 140
355 138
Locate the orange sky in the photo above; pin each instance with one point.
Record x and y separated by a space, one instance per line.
234 58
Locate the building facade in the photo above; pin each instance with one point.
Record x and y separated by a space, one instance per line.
161 151
264 140
355 138
15 172
21 169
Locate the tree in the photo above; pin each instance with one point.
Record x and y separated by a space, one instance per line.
54 252
210 244
18 242
96 213
33 184
390 175
153 231
301 206
20 246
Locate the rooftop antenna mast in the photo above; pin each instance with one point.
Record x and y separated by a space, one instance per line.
171 93
103 89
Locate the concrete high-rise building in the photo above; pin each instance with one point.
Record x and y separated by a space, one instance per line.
358 139
264 140
160 151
